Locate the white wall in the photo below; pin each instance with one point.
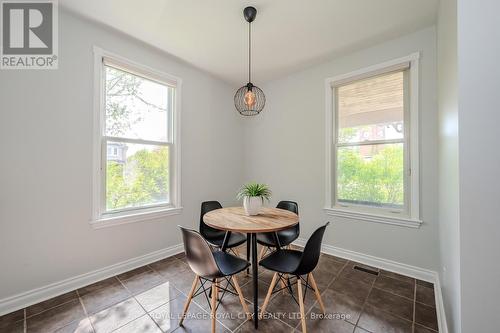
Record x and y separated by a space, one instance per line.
449 233
285 147
46 149
479 156
46 160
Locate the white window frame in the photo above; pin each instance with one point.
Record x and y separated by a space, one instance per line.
411 216
100 217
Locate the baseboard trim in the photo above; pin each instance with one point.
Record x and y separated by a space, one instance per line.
441 315
393 266
37 295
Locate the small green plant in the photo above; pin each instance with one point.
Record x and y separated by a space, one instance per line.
255 190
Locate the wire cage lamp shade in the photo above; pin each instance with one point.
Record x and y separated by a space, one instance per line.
249 100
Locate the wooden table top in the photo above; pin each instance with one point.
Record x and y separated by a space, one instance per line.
235 219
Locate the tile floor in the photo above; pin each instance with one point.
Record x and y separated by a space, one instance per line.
150 299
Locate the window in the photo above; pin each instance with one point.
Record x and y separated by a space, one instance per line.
137 140
373 144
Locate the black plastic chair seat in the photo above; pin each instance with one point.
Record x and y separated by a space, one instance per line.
296 262
235 239
286 237
283 261
214 266
207 263
229 264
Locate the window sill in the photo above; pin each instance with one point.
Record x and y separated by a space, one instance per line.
399 221
111 221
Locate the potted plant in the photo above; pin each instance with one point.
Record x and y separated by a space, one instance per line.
253 196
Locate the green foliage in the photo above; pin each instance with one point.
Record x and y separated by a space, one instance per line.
143 179
377 180
255 190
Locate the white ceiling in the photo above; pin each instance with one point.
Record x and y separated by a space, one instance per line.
288 35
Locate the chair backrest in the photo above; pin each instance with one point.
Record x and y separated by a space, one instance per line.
312 251
289 205
199 256
293 232
206 231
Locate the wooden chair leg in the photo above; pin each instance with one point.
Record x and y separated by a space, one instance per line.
268 296
301 305
262 251
240 295
215 291
316 291
188 301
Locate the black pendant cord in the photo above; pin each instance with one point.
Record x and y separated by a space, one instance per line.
250 52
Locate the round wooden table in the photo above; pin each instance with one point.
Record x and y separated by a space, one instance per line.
234 219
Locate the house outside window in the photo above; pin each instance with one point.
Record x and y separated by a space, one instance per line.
372 147
137 142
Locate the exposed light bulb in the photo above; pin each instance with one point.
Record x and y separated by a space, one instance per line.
250 99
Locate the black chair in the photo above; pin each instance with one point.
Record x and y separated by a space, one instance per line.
285 237
214 236
211 267
296 264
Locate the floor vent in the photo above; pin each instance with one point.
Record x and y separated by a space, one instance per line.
366 270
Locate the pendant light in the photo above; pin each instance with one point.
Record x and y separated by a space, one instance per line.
249 100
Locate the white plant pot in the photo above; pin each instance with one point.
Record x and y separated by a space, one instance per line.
252 205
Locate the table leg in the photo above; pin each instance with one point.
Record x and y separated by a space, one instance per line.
277 241
249 244
255 282
225 241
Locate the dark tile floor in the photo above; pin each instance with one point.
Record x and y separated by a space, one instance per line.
150 299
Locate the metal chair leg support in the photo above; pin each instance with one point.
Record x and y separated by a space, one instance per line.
289 285
210 294
307 286
204 291
262 252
